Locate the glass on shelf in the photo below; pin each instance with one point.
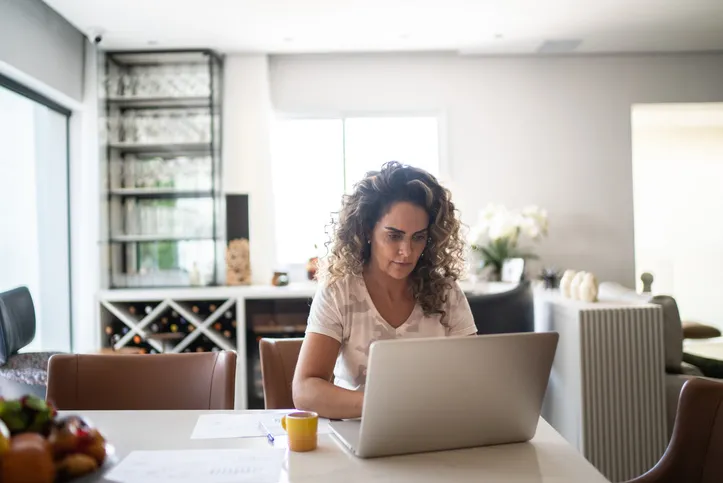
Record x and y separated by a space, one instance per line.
192 217
161 126
180 173
159 81
169 263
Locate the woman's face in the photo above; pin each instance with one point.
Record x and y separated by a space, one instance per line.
399 238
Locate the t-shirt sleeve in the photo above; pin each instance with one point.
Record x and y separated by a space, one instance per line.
460 318
324 315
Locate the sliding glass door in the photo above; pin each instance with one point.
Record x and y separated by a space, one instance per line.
34 239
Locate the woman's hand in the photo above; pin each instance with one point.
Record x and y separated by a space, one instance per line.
312 389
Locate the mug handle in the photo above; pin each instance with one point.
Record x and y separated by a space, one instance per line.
283 422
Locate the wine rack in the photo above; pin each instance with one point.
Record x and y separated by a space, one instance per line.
205 325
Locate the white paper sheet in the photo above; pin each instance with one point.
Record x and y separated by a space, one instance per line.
194 466
218 426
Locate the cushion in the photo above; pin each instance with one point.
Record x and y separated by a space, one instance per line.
695 330
28 368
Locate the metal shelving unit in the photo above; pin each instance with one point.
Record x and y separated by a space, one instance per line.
162 146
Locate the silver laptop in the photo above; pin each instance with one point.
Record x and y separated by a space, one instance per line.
451 392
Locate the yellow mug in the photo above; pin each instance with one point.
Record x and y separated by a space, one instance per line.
301 426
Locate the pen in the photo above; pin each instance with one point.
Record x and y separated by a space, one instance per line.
269 436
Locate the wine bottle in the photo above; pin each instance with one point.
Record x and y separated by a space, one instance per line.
132 310
108 330
154 328
195 309
228 314
148 309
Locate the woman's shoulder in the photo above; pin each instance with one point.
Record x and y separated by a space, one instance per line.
341 287
454 292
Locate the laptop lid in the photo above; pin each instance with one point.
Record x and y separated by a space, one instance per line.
432 394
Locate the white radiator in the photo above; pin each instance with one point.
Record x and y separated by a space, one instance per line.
623 393
606 393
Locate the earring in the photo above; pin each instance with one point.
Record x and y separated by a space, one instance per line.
369 242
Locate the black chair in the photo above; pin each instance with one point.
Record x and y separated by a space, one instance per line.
504 312
25 373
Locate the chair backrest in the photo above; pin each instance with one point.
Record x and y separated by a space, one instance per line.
278 363
672 333
142 381
694 452
672 325
17 321
504 312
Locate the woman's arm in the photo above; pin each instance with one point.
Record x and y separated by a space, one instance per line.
311 387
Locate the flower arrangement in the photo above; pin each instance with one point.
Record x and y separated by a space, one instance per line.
498 232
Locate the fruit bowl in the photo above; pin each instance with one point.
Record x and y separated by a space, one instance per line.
37 446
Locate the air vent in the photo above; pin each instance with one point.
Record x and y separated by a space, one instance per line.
559 46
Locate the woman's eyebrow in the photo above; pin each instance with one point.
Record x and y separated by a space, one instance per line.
397 230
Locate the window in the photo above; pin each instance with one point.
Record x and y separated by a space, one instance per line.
316 161
34 247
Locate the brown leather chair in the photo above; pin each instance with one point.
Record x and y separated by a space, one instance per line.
278 362
139 381
694 452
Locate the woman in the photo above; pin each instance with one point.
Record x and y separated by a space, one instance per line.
396 253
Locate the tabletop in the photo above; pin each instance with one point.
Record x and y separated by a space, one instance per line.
546 458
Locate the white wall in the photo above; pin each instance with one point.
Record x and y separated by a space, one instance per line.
550 131
87 201
37 41
247 153
678 175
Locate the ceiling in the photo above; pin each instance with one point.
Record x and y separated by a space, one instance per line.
466 26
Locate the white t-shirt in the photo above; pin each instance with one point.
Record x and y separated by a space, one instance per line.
345 311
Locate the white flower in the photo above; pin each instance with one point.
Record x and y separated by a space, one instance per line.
503 226
496 222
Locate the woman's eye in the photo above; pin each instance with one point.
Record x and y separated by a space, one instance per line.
420 238
395 236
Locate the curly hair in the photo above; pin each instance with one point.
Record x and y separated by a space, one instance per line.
372 197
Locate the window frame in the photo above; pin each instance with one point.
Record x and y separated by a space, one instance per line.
37 97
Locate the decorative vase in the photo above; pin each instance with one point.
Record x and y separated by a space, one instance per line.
280 279
312 266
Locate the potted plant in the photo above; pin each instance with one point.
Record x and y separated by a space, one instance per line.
497 235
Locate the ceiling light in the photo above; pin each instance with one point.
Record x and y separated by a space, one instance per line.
558 46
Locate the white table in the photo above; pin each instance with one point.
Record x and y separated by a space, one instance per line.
547 458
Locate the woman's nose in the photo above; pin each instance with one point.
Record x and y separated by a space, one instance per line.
405 248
